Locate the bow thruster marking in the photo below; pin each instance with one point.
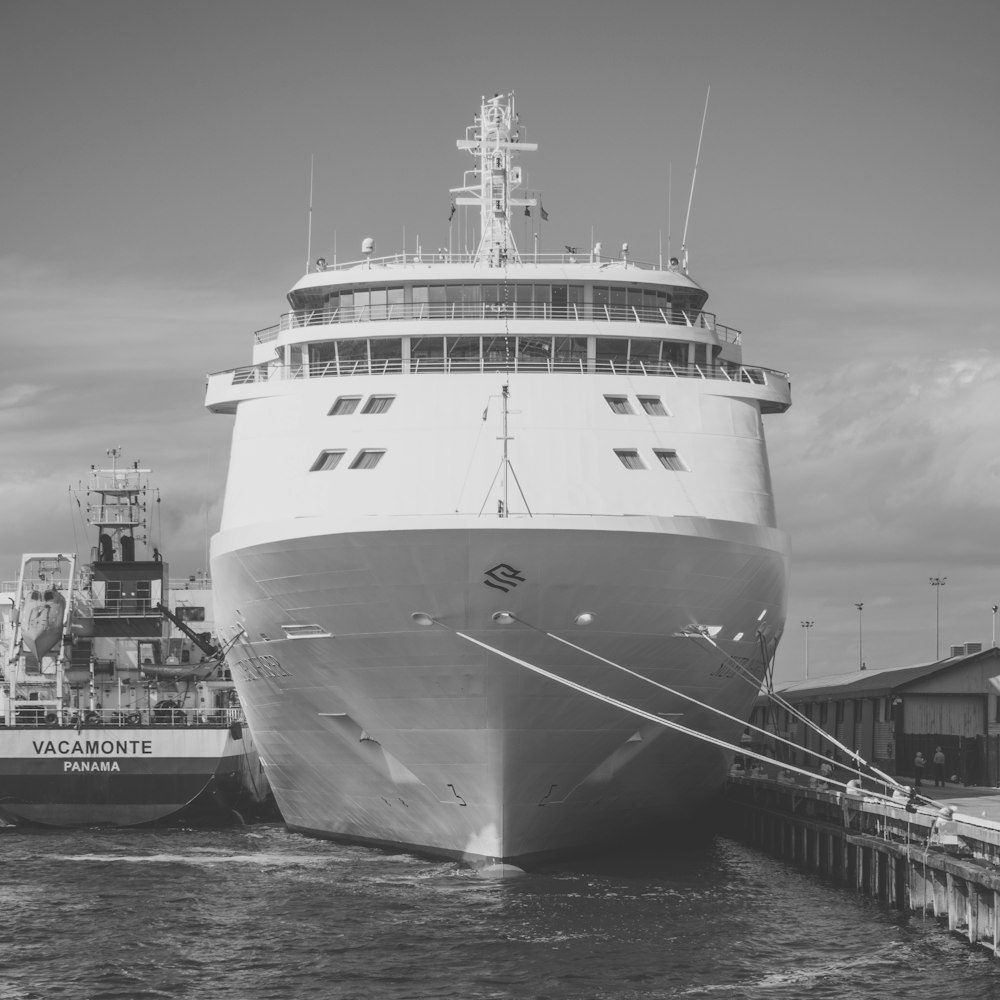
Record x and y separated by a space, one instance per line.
503 577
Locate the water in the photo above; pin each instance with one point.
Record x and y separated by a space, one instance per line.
258 912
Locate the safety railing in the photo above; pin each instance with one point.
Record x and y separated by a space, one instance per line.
571 256
33 714
514 311
125 607
436 365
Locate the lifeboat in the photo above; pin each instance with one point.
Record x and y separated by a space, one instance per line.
42 621
179 671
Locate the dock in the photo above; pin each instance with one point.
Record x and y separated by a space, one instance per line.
939 858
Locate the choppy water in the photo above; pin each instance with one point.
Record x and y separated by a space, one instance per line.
257 912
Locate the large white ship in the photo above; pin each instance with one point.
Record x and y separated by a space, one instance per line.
498 533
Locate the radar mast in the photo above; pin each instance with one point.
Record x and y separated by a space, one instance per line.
494 139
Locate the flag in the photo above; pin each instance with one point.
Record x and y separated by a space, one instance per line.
542 212
451 214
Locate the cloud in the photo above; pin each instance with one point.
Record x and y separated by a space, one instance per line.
113 363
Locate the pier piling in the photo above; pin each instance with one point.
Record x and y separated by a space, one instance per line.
879 848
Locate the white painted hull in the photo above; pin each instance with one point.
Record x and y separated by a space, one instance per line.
391 733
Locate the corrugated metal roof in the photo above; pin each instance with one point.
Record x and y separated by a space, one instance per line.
869 682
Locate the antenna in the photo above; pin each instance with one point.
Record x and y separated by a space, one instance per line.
694 177
670 184
309 237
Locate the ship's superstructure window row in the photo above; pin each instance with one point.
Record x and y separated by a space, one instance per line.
517 299
330 458
346 405
387 354
667 457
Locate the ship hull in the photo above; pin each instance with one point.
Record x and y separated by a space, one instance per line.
464 737
122 777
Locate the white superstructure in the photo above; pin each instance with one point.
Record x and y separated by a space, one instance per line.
475 504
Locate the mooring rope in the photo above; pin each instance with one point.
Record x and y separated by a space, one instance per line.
641 713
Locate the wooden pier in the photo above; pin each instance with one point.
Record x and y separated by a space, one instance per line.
912 861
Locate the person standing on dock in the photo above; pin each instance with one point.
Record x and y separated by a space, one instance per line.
918 769
939 768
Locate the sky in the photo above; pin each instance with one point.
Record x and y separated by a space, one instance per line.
154 210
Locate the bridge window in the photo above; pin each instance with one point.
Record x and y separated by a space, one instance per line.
630 458
344 405
326 461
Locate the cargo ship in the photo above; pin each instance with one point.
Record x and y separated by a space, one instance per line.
116 707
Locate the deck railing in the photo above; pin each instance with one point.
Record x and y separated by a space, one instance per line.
33 714
514 311
332 369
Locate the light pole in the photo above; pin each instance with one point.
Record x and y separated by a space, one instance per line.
937 582
995 609
807 626
861 661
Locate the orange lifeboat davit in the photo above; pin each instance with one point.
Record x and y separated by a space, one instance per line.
42 617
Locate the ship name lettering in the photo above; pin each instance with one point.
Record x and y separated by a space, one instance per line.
92 748
265 665
91 765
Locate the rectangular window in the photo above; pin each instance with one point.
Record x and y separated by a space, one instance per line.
497 352
571 349
619 404
378 404
344 405
669 459
611 351
601 302
534 348
368 458
395 302
352 356
629 458
424 349
653 405
379 298
464 351
674 353
327 460
385 350
644 351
